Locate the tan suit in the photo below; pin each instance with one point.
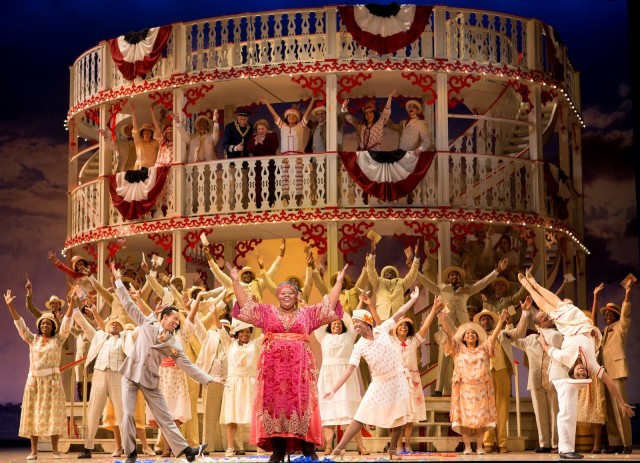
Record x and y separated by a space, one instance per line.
543 393
140 371
501 371
256 287
614 359
349 298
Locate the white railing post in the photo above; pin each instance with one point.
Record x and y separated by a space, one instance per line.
440 33
442 141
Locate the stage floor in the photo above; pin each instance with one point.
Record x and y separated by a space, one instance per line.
19 454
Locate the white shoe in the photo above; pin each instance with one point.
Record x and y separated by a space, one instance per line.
230 452
467 451
480 451
118 453
260 451
56 456
32 457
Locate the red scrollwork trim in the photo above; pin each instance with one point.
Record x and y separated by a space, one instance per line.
314 83
527 236
192 96
353 237
163 240
324 215
163 98
524 92
426 82
114 109
349 82
91 249
314 235
459 232
93 115
456 84
243 248
429 233
326 66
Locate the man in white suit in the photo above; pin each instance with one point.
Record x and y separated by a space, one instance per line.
106 354
156 340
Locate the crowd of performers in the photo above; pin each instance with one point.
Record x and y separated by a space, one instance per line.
157 346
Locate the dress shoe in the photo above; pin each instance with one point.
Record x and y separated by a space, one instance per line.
86 453
542 450
570 456
503 450
613 449
240 452
488 449
627 450
133 456
191 453
437 394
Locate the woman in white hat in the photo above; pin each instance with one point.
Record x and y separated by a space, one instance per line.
473 403
165 150
202 143
414 131
386 404
407 342
43 404
242 360
371 130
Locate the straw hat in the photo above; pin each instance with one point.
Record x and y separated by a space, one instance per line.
504 280
117 320
319 108
483 312
414 103
202 117
238 325
389 267
346 280
47 316
482 334
194 288
179 277
615 308
406 320
131 282
54 298
75 260
453 268
363 316
244 270
292 110
146 126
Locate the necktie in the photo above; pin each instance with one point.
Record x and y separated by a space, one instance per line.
164 334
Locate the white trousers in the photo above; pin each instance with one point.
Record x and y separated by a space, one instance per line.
567 415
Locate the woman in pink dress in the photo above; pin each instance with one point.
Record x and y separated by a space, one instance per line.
286 416
473 401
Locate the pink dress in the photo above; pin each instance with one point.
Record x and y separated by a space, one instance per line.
473 401
286 391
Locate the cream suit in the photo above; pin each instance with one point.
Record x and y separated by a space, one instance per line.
614 359
390 292
543 394
140 371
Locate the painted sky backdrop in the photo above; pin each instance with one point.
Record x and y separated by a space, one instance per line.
41 39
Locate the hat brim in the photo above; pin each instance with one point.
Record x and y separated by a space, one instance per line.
453 268
615 310
482 313
482 334
48 303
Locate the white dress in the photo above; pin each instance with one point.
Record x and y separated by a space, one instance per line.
409 354
336 351
242 361
386 403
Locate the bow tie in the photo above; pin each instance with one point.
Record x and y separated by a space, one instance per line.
403 344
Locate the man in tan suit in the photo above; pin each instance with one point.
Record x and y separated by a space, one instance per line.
543 393
614 359
501 372
155 341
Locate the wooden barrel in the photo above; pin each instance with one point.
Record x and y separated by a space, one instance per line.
584 438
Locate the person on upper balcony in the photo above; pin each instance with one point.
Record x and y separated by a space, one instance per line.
317 142
124 146
292 128
237 135
165 152
147 141
371 130
202 144
414 131
263 142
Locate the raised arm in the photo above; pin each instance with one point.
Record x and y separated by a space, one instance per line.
481 284
273 112
84 324
307 113
241 296
496 330
98 317
8 299
29 300
134 312
106 295
435 310
369 298
412 300
217 273
594 307
334 294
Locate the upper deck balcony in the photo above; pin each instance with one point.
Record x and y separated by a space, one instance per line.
490 170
